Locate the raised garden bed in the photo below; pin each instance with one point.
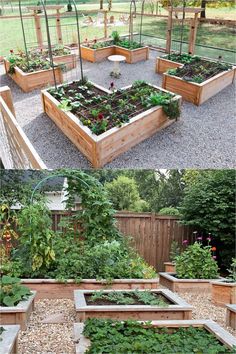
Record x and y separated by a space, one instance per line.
103 130
197 82
34 80
53 289
175 284
137 305
172 61
231 316
188 336
169 267
9 339
18 314
223 292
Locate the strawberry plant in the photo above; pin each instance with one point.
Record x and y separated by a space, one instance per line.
12 292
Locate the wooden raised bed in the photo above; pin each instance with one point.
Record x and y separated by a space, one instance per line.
169 267
18 314
53 289
83 343
184 285
103 148
9 339
34 80
177 310
231 316
132 56
69 60
162 65
223 293
198 93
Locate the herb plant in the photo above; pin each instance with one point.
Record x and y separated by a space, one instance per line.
12 292
108 336
196 262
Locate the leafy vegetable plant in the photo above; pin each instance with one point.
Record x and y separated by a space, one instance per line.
12 292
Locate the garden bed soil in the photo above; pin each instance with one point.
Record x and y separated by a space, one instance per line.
169 267
223 292
176 308
132 55
34 80
162 65
103 148
198 93
53 289
224 337
18 314
9 339
170 281
231 316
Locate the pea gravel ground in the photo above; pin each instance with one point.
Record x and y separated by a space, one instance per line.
204 137
40 338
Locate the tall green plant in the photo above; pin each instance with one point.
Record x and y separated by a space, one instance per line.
12 292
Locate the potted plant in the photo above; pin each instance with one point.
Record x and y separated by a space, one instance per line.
195 269
16 302
9 339
199 80
97 335
174 252
224 291
105 123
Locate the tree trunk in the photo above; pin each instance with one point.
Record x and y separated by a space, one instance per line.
101 4
203 6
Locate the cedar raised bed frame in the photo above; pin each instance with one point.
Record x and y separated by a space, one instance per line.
35 80
162 65
178 310
132 56
184 285
9 342
198 93
169 267
103 148
223 293
53 289
231 316
18 314
69 60
221 335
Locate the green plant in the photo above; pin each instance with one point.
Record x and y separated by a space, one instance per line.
115 36
66 105
1 332
12 292
196 262
232 271
169 211
108 336
175 250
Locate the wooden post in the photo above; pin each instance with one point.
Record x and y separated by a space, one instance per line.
193 33
131 27
37 22
169 30
58 27
5 93
105 24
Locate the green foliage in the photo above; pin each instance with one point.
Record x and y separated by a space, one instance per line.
181 58
108 336
169 211
174 250
35 63
232 271
115 36
12 292
196 262
209 206
36 235
124 195
1 332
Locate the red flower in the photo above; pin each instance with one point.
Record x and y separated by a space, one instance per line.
213 249
11 51
95 41
100 116
86 39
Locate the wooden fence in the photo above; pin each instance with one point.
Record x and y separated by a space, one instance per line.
17 151
152 234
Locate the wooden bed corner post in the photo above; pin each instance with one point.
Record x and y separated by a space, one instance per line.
5 93
169 31
193 34
58 27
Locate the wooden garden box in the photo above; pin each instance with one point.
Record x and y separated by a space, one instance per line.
103 148
231 316
198 93
177 310
69 60
53 289
134 55
96 55
169 267
162 65
9 339
223 293
83 343
18 314
34 80
184 285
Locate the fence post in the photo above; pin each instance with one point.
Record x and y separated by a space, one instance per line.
5 93
37 23
169 30
193 33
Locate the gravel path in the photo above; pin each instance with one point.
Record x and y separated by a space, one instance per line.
204 137
40 338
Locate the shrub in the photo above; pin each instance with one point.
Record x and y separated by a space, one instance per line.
169 211
174 250
12 292
196 262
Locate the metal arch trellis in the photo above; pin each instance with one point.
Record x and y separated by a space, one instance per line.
141 21
132 14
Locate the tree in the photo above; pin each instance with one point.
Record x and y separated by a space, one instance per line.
123 193
209 206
